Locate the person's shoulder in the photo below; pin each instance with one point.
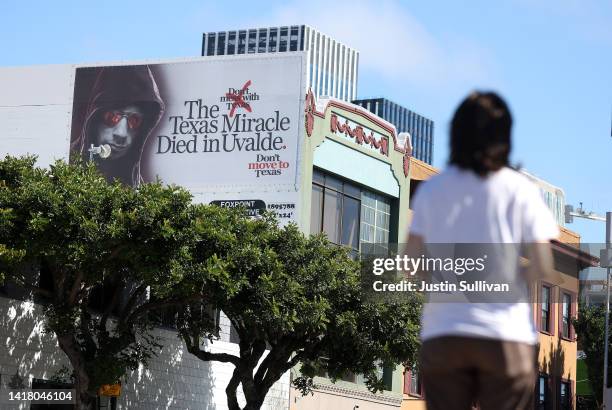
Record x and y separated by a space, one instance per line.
517 182
435 183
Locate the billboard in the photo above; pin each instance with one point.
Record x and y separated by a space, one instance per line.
228 129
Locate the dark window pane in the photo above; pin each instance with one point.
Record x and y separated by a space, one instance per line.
332 207
316 210
565 399
318 177
263 37
221 44
293 42
352 190
241 42
211 45
231 43
541 393
566 309
350 222
282 46
303 34
333 183
545 320
273 40
252 41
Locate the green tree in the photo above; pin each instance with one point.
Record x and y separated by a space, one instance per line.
590 329
68 236
299 300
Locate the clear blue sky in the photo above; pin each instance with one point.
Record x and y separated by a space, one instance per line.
552 60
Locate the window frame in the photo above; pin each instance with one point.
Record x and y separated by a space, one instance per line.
569 392
571 337
547 395
551 310
407 388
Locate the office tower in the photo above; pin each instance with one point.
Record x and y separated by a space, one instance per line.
331 69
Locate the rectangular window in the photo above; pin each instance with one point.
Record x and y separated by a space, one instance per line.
231 43
211 44
566 314
252 41
241 42
263 39
542 396
546 322
347 213
284 32
565 395
293 40
302 35
412 382
221 44
273 40
375 218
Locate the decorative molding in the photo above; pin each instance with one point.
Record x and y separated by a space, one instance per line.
311 111
359 394
359 134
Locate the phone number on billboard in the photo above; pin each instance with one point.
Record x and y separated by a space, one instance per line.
281 206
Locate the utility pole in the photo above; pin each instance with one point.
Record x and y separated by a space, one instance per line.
605 262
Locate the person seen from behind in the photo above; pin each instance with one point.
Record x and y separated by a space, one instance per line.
481 352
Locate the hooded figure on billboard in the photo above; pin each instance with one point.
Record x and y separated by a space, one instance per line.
120 111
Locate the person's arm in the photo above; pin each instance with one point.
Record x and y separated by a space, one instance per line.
540 263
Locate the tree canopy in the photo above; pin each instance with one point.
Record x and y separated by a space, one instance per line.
94 253
103 258
590 329
299 300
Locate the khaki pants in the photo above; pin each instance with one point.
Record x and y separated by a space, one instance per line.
459 371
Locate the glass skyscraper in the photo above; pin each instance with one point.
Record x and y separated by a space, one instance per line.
332 67
421 129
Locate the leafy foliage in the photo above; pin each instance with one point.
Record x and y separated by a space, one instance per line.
100 256
300 299
590 329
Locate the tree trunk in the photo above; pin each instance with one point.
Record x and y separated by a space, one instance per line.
255 404
83 400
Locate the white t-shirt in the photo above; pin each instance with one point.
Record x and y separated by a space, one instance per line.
458 206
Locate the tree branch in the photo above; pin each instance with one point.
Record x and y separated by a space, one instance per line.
217 357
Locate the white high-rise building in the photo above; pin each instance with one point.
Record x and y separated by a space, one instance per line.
332 67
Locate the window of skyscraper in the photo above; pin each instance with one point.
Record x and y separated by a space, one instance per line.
302 34
252 41
241 42
221 44
293 44
273 40
211 44
282 46
231 42
263 37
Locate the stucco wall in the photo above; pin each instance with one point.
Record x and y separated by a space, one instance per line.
173 380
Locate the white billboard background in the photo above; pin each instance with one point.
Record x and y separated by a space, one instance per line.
231 162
